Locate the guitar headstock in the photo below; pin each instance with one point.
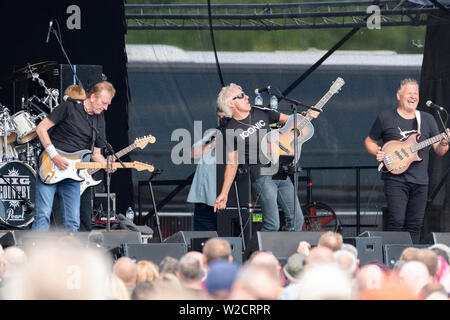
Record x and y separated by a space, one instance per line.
140 166
142 142
337 85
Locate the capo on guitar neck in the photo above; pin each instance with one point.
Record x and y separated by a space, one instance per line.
315 109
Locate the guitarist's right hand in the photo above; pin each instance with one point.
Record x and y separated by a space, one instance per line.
380 155
60 162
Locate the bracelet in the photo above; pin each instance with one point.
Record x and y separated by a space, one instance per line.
51 151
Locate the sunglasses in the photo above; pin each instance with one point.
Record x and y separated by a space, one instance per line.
239 96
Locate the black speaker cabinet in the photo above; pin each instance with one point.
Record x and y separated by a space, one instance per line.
369 248
437 237
185 237
154 252
235 244
283 244
392 252
389 237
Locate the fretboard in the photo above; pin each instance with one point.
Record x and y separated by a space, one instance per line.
119 154
319 105
426 143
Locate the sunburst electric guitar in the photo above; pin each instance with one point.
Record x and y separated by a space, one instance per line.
87 174
50 174
281 141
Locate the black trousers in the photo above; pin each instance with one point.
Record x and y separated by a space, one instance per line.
406 207
205 219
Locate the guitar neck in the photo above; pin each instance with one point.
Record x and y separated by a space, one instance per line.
319 105
119 155
427 142
101 165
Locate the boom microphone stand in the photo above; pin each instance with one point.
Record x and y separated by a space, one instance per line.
152 175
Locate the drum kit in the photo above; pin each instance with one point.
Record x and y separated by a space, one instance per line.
19 152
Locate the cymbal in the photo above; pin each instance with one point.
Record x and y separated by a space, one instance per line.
24 73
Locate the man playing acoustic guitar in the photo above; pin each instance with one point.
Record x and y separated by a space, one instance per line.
406 177
72 129
249 124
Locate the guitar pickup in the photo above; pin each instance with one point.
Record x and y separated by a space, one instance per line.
405 153
398 155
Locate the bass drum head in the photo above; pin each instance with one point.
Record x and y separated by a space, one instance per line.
22 180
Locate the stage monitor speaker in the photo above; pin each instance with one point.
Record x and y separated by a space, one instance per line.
185 237
154 252
115 239
8 240
389 237
284 244
235 244
437 237
392 252
369 248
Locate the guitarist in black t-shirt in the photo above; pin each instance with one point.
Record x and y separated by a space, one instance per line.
247 126
69 128
406 193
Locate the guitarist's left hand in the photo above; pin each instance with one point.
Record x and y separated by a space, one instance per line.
312 113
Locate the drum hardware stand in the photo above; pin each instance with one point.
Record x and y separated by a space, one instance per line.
52 94
4 114
152 175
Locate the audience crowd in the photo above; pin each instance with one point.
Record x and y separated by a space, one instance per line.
67 269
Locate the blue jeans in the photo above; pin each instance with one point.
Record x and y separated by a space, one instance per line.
69 197
270 193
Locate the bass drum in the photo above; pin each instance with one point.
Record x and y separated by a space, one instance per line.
17 180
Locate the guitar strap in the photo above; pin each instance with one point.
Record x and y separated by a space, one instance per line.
418 121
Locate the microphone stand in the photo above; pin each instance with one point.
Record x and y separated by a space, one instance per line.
65 54
152 175
108 179
294 105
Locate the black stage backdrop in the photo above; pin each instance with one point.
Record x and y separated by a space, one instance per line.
100 40
435 86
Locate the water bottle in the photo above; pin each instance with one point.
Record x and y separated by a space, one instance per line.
130 214
259 100
274 102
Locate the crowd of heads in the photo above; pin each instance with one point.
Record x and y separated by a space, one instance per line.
67 269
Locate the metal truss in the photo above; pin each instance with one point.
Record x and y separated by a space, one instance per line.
306 15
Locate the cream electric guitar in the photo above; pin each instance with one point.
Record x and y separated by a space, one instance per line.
281 141
87 174
50 174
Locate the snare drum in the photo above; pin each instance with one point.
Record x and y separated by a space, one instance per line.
25 127
21 179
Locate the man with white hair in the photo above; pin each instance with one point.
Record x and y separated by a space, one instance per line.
415 275
249 125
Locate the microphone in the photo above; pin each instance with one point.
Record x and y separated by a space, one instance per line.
432 105
67 98
265 89
49 30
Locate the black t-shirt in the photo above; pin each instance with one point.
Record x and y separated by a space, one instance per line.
390 125
245 136
72 131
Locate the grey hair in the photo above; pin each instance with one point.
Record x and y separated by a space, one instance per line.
224 97
405 82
